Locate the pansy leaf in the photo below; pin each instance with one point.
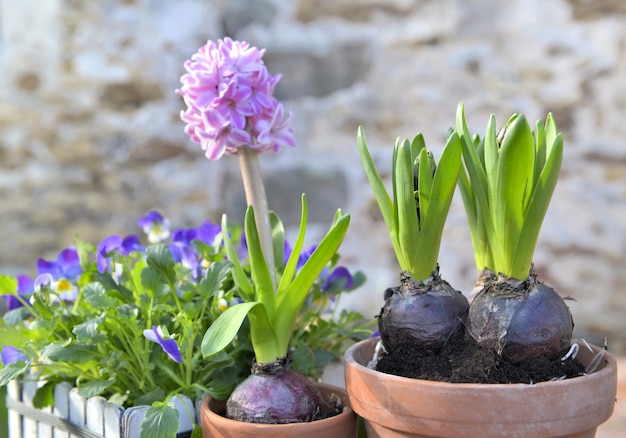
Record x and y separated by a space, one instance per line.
12 371
44 396
88 330
216 275
96 295
161 421
160 259
16 316
73 353
94 387
151 281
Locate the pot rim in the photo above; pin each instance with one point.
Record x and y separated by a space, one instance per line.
222 421
607 369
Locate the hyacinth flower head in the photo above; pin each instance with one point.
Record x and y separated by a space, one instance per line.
231 110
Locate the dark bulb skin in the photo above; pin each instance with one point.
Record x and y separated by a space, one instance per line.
275 394
520 320
421 314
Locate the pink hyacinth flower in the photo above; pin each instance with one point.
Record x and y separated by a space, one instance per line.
230 104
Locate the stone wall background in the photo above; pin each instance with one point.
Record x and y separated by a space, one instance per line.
90 137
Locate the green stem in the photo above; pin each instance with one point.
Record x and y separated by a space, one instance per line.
255 196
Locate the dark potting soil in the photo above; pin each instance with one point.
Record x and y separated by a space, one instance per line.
462 361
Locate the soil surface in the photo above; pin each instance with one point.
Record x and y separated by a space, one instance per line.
462 361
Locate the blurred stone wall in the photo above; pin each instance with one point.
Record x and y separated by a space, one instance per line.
90 136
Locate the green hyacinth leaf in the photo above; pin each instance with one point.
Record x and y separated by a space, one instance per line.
239 275
261 276
514 177
278 240
424 184
538 207
225 328
383 198
443 185
408 224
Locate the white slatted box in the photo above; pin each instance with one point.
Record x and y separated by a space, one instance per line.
75 417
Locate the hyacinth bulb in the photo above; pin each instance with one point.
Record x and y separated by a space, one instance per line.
421 314
520 320
275 394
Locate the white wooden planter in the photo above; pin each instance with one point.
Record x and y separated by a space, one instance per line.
76 417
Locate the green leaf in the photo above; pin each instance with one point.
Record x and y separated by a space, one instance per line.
161 421
404 201
288 309
96 295
156 395
160 259
537 208
44 396
491 155
196 432
278 240
95 387
514 178
426 251
224 329
8 285
88 330
151 281
477 187
261 276
216 275
12 371
382 196
73 353
292 263
16 316
239 275
424 183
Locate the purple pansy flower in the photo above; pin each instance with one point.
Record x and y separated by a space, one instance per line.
340 278
113 243
11 354
66 265
208 232
60 274
156 227
169 346
25 287
229 96
186 256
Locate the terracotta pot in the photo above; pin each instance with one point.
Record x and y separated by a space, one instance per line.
393 406
215 425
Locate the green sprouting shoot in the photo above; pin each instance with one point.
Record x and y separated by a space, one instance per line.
506 183
422 193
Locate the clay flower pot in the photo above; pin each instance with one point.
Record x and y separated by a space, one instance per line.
393 406
344 425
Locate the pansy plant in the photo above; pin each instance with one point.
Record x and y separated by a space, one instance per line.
132 332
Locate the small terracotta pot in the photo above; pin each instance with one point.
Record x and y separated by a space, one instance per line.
344 425
394 407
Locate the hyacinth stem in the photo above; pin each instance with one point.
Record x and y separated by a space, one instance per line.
255 196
